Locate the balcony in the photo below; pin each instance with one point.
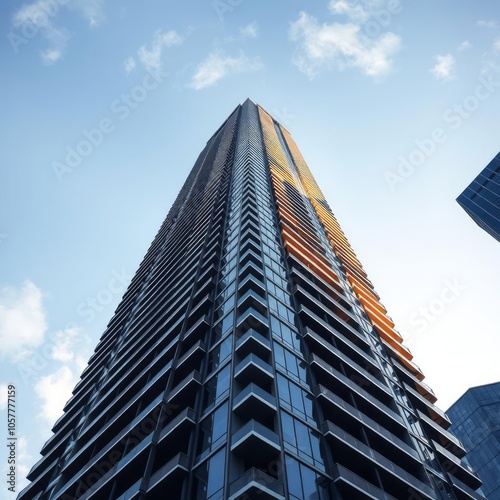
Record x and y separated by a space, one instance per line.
341 327
185 387
256 443
255 401
344 412
323 346
254 369
421 386
358 373
437 415
463 471
170 475
255 482
252 299
194 354
375 394
196 331
185 420
253 342
345 443
252 319
463 491
380 412
351 485
437 432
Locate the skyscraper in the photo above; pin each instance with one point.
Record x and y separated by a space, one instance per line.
475 418
250 356
481 198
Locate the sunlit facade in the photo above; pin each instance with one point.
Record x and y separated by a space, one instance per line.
251 357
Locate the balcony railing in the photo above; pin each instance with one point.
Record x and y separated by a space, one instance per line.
340 472
379 459
465 489
255 478
179 462
254 391
374 426
254 427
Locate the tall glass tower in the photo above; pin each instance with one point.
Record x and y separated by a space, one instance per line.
251 357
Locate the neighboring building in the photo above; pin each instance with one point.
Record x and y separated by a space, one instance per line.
475 420
481 199
250 356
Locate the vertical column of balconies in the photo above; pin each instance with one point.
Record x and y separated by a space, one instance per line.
415 400
172 454
325 295
114 434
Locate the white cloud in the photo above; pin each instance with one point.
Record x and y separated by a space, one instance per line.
250 30
341 46
486 24
129 64
24 462
464 45
444 68
68 342
151 58
22 320
496 45
353 10
217 66
51 56
54 390
39 16
91 10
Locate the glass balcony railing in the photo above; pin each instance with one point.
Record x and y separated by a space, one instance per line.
253 391
465 489
374 426
253 361
179 462
339 472
379 459
253 341
266 486
252 427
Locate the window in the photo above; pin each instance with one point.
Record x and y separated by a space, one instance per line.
210 477
301 440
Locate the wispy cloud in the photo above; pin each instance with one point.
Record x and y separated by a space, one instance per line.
341 46
444 69
217 66
496 45
22 320
129 64
250 30
151 58
490 23
353 10
91 10
464 45
39 16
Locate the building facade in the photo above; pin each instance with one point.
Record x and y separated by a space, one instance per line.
475 419
251 357
481 199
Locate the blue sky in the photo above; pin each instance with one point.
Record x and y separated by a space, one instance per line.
106 105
